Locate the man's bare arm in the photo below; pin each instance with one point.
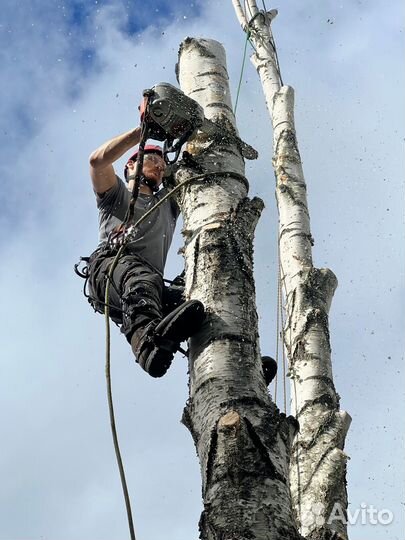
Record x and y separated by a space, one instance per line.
101 170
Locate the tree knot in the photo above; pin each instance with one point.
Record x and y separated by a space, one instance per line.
229 421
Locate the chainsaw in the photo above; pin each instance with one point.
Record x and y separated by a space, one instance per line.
168 115
175 118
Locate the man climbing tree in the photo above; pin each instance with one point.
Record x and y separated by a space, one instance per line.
138 298
136 226
135 298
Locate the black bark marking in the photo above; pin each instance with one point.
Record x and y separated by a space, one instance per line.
187 421
294 423
209 468
195 261
322 378
317 283
324 399
270 468
207 531
288 135
307 236
196 90
228 250
229 403
217 178
287 190
202 49
324 426
315 317
238 338
220 146
246 401
213 72
220 106
199 346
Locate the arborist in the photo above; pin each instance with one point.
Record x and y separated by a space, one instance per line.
154 319
137 291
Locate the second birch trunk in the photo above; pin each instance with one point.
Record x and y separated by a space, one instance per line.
317 463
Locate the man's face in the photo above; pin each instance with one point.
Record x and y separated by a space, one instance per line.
154 167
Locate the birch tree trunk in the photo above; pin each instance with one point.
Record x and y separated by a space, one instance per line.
242 440
317 462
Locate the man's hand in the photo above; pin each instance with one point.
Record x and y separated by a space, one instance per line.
101 170
131 165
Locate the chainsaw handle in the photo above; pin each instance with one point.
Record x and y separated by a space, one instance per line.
147 94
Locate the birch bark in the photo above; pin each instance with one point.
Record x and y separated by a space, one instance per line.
317 462
241 439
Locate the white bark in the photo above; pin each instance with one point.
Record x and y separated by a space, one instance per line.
264 58
318 463
241 439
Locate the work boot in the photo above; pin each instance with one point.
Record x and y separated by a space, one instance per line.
269 366
154 345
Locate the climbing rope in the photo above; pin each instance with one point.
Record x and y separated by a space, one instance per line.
277 322
110 273
241 71
280 338
112 415
294 385
280 334
283 347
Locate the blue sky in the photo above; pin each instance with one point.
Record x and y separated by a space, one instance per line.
72 75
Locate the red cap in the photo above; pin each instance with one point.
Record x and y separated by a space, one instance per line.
149 149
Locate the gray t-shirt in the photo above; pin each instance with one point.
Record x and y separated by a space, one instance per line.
154 236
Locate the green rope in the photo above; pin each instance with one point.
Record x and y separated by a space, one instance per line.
108 359
241 71
110 397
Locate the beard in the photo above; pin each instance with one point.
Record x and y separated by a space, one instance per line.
151 182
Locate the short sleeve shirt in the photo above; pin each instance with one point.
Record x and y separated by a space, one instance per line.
154 236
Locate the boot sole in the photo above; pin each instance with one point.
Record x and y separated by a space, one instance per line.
158 362
182 323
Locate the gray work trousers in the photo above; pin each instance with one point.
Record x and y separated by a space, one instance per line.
137 294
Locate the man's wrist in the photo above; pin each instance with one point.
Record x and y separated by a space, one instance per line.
134 136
